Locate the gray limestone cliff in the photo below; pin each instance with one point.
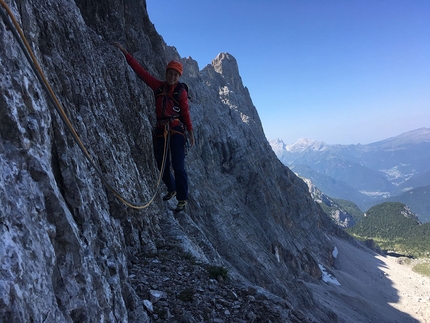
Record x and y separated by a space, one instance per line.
69 247
341 217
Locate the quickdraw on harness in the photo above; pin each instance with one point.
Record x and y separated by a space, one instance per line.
26 49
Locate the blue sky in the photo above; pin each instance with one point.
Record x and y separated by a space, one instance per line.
343 72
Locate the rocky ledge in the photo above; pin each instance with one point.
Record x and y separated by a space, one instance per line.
174 287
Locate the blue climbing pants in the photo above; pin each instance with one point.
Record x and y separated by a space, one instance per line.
175 160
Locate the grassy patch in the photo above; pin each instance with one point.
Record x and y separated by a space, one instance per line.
422 268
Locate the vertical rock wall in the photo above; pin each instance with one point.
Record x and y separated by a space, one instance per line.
66 239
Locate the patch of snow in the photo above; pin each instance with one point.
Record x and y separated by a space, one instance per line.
327 278
335 252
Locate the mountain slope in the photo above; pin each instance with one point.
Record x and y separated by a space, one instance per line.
394 227
418 200
404 140
334 208
379 170
331 186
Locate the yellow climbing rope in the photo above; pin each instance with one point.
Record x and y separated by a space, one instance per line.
25 47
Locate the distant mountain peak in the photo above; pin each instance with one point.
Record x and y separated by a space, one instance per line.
277 143
405 139
226 65
366 174
278 146
304 144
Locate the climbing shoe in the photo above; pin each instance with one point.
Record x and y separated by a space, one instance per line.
181 206
169 195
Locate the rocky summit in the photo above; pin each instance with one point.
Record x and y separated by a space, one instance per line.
251 241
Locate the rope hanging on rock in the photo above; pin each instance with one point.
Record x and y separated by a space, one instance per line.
25 47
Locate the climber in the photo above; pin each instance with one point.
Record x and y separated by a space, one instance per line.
171 108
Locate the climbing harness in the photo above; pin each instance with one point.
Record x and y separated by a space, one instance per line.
25 47
174 96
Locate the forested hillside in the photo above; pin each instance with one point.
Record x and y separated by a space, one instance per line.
394 227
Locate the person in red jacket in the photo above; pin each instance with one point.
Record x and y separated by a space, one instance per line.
171 108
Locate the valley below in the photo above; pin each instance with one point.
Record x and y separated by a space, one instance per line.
371 284
392 170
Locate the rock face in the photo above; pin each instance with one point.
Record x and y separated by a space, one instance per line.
341 217
70 250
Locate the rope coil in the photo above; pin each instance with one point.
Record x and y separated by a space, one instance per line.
31 58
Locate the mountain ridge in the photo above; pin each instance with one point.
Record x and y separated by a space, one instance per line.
372 172
409 137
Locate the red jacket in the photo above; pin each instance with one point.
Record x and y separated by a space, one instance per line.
154 84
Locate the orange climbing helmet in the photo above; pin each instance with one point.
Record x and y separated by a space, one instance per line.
175 65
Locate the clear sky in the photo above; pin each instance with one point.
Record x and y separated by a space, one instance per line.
339 71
